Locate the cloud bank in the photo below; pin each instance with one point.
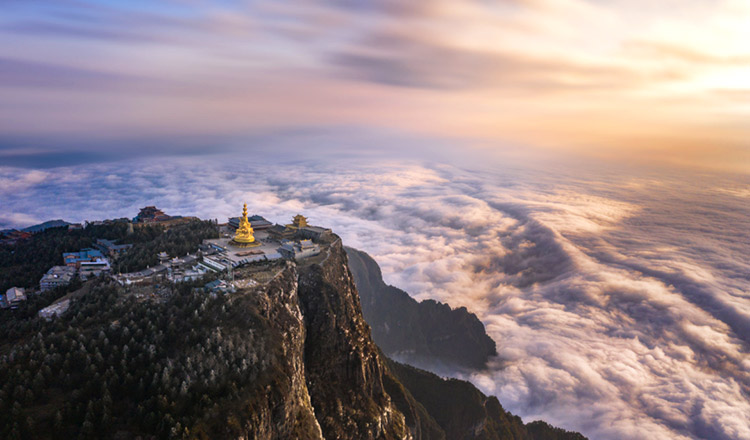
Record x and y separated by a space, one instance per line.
620 306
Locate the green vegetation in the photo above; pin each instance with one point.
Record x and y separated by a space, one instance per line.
113 364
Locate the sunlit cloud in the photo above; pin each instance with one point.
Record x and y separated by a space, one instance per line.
616 79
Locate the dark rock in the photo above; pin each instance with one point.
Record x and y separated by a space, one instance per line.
464 412
418 333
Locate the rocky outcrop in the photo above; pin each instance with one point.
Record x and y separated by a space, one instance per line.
345 374
325 377
426 333
281 408
464 412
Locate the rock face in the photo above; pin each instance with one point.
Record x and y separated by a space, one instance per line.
282 408
338 350
327 379
464 412
417 333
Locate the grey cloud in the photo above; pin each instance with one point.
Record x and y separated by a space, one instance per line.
32 74
402 59
65 30
14 72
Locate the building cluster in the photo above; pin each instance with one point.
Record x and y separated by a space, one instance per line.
57 276
12 297
175 270
245 240
85 263
88 262
55 309
110 247
245 243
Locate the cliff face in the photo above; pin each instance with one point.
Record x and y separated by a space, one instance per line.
326 361
418 333
339 350
282 408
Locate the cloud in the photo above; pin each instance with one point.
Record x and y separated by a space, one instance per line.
63 30
12 180
684 54
19 73
618 304
409 60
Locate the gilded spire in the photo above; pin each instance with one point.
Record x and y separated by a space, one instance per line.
244 237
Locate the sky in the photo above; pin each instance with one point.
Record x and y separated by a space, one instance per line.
576 173
632 80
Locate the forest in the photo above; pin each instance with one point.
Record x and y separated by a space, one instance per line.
114 364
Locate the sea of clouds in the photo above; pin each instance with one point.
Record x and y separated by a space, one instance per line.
619 301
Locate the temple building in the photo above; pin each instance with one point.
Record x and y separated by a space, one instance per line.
244 236
299 221
295 241
151 214
257 222
299 250
288 232
280 232
74 259
298 228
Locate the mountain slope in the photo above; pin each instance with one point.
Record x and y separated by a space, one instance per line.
464 412
418 333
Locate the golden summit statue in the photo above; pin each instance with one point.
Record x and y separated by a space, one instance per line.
243 237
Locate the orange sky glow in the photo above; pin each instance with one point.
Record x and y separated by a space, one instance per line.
667 81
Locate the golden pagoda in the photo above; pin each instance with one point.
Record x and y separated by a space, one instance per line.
299 221
243 237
